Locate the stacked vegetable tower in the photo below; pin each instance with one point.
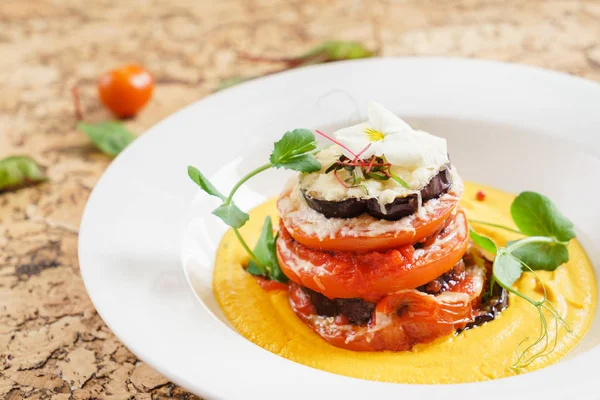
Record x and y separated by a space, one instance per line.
375 243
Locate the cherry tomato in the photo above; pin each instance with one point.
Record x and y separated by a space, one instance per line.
399 321
373 275
125 90
416 230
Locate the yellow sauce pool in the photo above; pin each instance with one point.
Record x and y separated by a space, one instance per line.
484 353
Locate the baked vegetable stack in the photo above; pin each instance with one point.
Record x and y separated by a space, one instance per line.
375 244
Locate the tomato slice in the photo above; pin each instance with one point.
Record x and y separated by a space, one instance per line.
401 320
373 275
364 233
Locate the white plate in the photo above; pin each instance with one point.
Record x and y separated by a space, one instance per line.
508 126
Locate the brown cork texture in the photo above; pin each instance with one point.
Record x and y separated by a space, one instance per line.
53 344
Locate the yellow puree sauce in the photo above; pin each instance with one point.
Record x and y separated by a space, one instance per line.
486 352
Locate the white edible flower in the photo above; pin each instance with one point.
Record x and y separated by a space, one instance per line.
390 136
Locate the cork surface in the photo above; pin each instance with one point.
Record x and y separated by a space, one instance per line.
53 345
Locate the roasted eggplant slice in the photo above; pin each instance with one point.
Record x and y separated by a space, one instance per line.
491 307
399 208
348 208
358 311
438 185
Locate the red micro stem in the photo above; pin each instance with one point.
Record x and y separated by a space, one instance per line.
371 164
363 164
338 143
340 180
76 103
361 152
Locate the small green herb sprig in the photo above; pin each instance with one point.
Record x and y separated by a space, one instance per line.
360 169
548 233
294 151
19 171
377 168
328 51
111 137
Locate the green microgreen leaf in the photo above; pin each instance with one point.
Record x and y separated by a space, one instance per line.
292 151
19 171
303 163
231 215
110 137
546 249
337 50
541 255
507 269
293 143
399 180
262 251
257 270
482 241
331 50
536 215
232 81
203 182
376 175
266 253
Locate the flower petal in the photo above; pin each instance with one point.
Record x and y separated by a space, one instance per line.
416 149
401 145
386 121
355 131
436 151
402 150
355 138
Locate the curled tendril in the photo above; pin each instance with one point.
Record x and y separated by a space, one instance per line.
528 355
